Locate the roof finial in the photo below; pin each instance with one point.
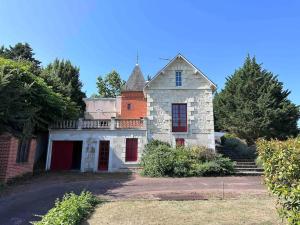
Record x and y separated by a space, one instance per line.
137 57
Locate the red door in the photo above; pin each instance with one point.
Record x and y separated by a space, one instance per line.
103 155
62 154
131 149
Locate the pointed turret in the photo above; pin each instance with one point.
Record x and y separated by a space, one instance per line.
136 81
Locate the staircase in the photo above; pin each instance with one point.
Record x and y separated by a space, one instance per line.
244 166
247 167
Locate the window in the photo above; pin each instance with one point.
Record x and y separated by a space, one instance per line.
131 150
23 150
179 118
129 106
178 79
179 142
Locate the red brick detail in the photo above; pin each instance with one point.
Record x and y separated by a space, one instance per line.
138 105
9 168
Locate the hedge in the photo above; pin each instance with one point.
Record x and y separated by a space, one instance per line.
159 160
71 210
281 162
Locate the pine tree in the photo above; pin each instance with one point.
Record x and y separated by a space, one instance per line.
20 52
63 77
254 104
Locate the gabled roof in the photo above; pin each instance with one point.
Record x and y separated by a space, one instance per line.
136 81
213 85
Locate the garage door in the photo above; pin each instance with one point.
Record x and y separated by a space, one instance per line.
62 155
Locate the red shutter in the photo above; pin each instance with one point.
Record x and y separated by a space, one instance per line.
179 117
179 142
131 149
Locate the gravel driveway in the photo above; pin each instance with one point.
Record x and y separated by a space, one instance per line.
19 203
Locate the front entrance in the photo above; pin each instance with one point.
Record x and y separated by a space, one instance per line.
103 155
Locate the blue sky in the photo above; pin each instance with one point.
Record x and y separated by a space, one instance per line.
99 36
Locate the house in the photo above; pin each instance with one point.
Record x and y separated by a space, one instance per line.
175 106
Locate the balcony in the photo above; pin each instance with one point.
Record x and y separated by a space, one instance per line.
109 124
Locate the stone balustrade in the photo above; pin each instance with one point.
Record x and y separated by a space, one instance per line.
111 124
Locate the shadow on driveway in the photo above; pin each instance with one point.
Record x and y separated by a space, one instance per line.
21 202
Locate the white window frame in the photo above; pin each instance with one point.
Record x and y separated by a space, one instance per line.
178 78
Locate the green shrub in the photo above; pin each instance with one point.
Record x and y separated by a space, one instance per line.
70 210
162 160
259 162
157 161
238 146
281 163
226 136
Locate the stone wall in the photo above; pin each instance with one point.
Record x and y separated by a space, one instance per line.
195 92
100 108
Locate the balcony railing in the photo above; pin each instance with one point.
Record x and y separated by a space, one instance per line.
95 124
129 123
111 124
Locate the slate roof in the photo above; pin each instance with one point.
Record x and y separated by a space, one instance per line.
136 81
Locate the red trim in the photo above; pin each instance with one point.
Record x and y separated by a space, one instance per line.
103 155
181 111
131 150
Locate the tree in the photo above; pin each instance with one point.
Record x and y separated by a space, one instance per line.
63 77
30 105
110 85
254 104
19 52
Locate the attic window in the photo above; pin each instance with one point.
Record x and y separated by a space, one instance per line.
178 79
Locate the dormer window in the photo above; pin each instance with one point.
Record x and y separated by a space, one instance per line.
178 79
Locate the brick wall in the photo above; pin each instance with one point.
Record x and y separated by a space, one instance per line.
4 149
138 105
8 154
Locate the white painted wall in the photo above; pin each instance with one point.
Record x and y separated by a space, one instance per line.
91 139
101 108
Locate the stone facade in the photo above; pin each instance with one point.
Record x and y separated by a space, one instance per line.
195 91
154 102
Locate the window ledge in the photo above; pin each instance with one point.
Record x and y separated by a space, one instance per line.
131 162
180 132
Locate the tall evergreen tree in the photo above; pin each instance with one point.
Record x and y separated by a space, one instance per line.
20 52
63 77
110 85
254 104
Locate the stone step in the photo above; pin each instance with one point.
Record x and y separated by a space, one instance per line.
246 165
241 162
248 173
248 169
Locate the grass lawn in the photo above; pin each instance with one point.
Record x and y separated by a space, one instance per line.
241 211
